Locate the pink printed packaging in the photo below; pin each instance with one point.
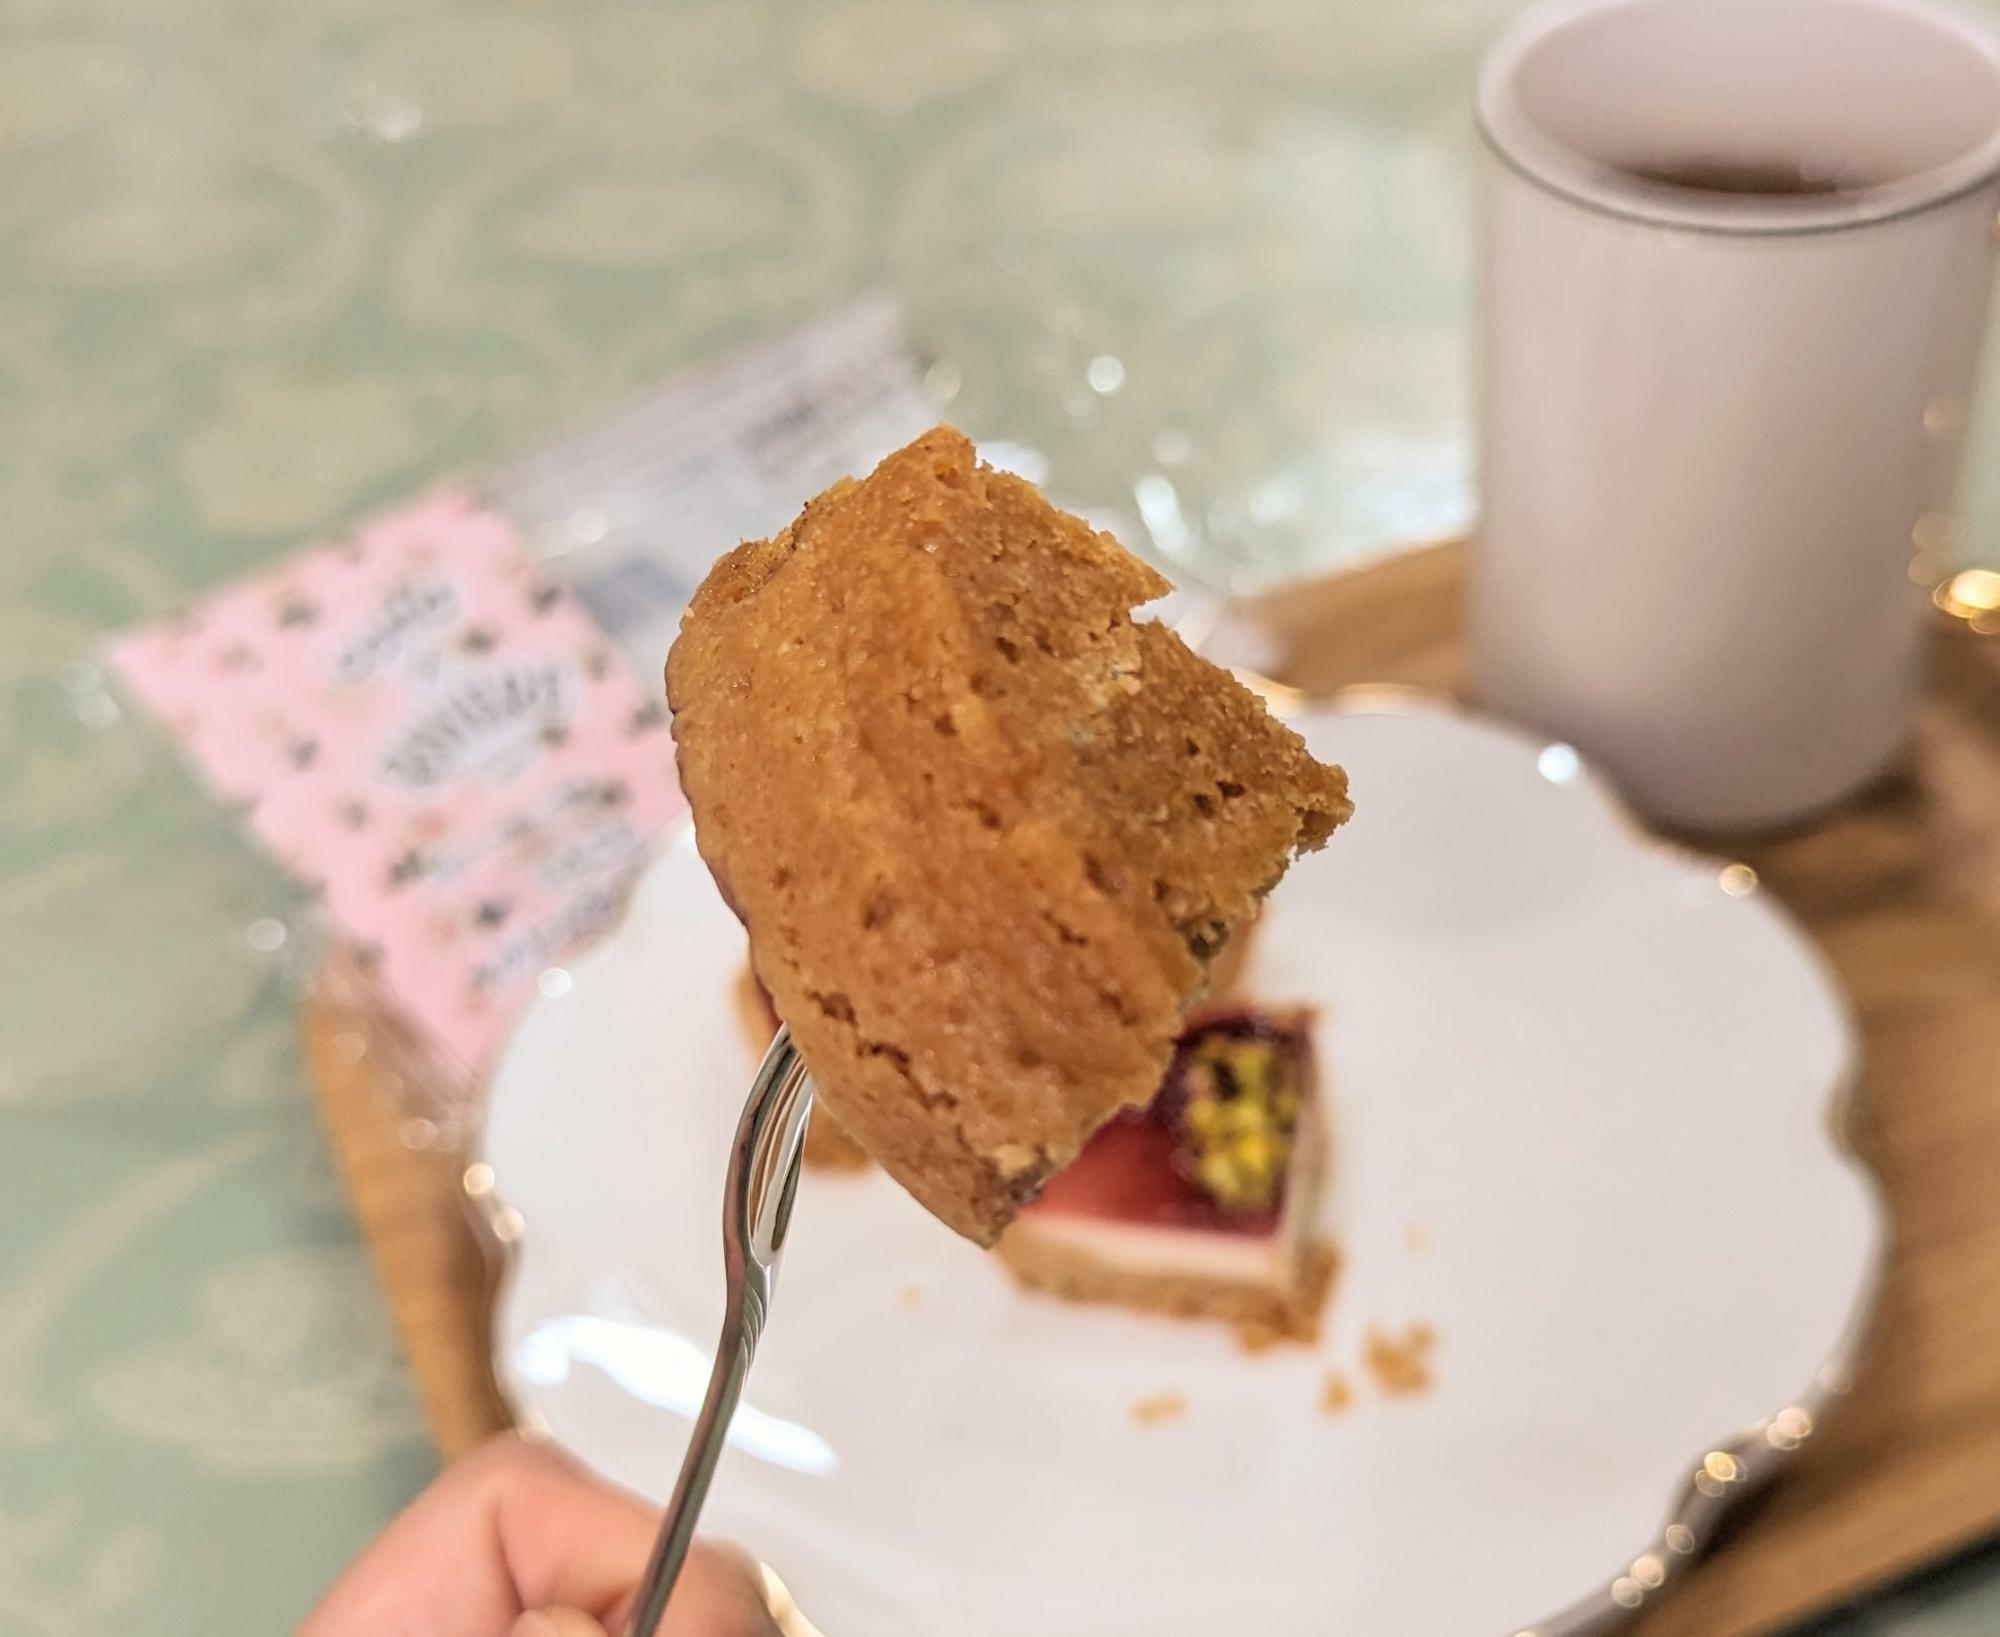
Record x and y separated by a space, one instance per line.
439 745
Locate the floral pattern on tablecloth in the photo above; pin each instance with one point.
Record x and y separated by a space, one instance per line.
269 266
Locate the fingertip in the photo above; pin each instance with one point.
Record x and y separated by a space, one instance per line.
555 1623
747 1585
721 1593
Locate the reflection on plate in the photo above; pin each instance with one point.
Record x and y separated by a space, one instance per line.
1579 1091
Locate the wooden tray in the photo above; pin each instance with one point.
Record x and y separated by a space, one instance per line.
1903 891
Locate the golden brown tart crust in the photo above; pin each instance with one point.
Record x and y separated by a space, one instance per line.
983 828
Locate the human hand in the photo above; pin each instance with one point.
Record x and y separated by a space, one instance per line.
515 1541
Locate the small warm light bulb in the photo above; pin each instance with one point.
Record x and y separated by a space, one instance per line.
1972 595
1932 532
1788 1429
1738 880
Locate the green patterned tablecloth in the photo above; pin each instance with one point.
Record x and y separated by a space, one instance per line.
266 264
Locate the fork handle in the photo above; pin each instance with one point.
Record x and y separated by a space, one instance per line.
670 1550
757 1208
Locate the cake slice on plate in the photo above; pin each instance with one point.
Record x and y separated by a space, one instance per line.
1206 1202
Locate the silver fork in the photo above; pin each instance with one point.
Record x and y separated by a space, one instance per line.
756 1211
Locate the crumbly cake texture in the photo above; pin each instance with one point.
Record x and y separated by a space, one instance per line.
984 829
1228 964
828 1148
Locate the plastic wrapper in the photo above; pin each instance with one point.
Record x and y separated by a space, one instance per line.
446 726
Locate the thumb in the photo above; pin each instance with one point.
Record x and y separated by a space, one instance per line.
555 1623
720 1594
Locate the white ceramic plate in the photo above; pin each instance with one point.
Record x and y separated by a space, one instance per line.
1581 1087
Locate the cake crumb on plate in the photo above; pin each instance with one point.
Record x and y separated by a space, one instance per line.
1161 1407
1400 1364
1256 1336
1335 1395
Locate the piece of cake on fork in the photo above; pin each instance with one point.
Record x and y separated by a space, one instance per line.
985 830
